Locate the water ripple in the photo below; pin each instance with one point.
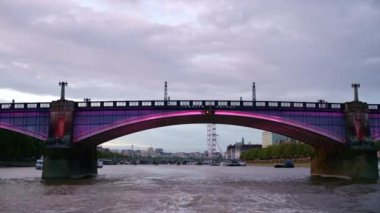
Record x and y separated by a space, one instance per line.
185 189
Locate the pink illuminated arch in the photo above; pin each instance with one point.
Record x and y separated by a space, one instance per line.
24 131
300 131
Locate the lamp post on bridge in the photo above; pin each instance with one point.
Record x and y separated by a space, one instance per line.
62 84
166 91
356 86
253 91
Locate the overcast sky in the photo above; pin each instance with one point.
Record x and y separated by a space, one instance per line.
124 50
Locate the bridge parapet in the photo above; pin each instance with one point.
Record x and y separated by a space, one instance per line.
180 104
21 106
222 104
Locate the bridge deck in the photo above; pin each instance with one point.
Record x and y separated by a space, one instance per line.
310 106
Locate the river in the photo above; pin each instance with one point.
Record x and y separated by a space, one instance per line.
172 188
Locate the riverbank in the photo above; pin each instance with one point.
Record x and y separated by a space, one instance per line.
270 163
17 163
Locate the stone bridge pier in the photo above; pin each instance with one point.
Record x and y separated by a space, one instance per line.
63 158
357 159
345 162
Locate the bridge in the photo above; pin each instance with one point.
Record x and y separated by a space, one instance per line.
342 134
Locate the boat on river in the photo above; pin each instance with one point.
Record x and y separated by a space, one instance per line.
286 164
233 163
214 163
39 164
99 164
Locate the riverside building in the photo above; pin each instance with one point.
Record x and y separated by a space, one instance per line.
234 151
270 138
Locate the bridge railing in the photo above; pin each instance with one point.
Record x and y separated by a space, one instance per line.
374 106
217 104
5 106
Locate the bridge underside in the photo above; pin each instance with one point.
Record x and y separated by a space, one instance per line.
31 122
302 132
24 131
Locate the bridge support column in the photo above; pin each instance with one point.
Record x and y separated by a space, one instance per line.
63 158
72 162
356 159
69 162
345 162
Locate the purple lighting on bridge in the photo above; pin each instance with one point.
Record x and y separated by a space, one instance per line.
159 119
374 120
31 123
111 122
153 117
280 120
24 131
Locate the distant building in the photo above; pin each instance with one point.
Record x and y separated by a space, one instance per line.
180 154
137 153
234 151
196 155
115 151
100 148
159 151
126 152
150 150
269 139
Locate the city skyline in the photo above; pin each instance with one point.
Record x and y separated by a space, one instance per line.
126 50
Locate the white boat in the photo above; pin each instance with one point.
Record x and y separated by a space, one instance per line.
40 164
243 163
99 164
214 163
233 163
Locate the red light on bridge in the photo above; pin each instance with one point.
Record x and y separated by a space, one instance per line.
209 112
60 128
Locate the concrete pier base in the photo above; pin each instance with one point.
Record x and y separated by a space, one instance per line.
62 162
345 162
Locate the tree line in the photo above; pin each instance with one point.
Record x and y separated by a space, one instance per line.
278 151
15 146
107 154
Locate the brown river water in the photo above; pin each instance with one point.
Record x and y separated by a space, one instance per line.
172 188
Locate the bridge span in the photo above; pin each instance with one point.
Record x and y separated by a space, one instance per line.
72 130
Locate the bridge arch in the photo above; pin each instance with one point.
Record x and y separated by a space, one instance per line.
23 131
300 131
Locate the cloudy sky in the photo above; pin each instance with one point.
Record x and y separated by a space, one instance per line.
211 49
